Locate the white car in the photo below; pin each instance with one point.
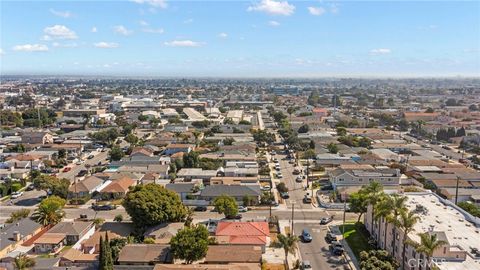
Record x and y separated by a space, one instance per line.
266 188
16 194
279 175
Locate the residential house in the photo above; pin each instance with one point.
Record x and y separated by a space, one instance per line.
37 137
174 148
243 233
117 188
196 173
74 230
144 254
76 258
49 243
15 234
209 193
350 180
85 187
221 254
162 233
184 190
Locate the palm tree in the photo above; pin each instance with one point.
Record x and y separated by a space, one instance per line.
389 208
428 244
22 262
288 243
374 193
47 214
196 135
406 221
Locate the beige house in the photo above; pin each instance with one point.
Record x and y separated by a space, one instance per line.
351 180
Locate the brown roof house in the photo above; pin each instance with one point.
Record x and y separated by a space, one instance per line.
77 258
117 188
222 254
49 243
144 254
162 233
40 137
85 187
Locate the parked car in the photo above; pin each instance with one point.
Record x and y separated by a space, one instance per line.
266 188
273 152
306 265
79 162
326 220
200 209
242 209
30 187
299 179
82 173
103 207
17 194
67 169
238 216
284 195
296 171
90 156
327 187
330 237
279 175
306 236
336 248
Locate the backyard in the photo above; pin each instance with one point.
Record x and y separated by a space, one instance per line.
357 237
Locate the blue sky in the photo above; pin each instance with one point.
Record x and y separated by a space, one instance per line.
271 38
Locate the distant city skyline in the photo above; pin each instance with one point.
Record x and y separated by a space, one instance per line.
266 38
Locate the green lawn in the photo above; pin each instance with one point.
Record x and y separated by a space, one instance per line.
356 237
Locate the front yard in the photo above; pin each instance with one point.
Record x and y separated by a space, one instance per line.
357 237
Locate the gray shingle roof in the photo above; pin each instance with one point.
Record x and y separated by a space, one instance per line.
231 190
24 227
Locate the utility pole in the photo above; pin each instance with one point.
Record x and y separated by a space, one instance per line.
76 193
456 190
293 214
344 212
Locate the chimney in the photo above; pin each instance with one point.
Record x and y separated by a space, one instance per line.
16 236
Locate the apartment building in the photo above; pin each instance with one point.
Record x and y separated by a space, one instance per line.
350 180
437 216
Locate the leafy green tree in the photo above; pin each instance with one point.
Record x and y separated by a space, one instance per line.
107 261
262 136
304 128
116 153
341 131
358 203
190 243
118 218
191 159
58 186
132 139
152 204
288 243
309 154
149 240
281 187
470 208
49 211
142 118
332 148
377 260
226 205
17 215
22 262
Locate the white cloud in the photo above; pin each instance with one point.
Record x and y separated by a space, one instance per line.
153 30
274 23
63 14
187 21
183 43
94 30
380 51
64 45
31 48
122 30
273 7
317 11
223 35
58 32
143 23
1 51
154 3
106 45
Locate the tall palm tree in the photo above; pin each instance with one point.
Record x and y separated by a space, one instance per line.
47 214
196 135
22 262
428 244
374 192
288 243
406 221
389 208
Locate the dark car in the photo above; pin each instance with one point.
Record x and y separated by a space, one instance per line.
82 173
91 156
234 217
104 207
336 250
284 195
306 236
200 209
326 220
30 187
330 237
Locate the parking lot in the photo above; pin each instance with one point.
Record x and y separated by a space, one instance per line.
317 251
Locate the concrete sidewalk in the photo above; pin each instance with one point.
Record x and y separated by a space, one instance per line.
348 254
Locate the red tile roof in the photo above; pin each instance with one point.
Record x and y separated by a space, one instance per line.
243 232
